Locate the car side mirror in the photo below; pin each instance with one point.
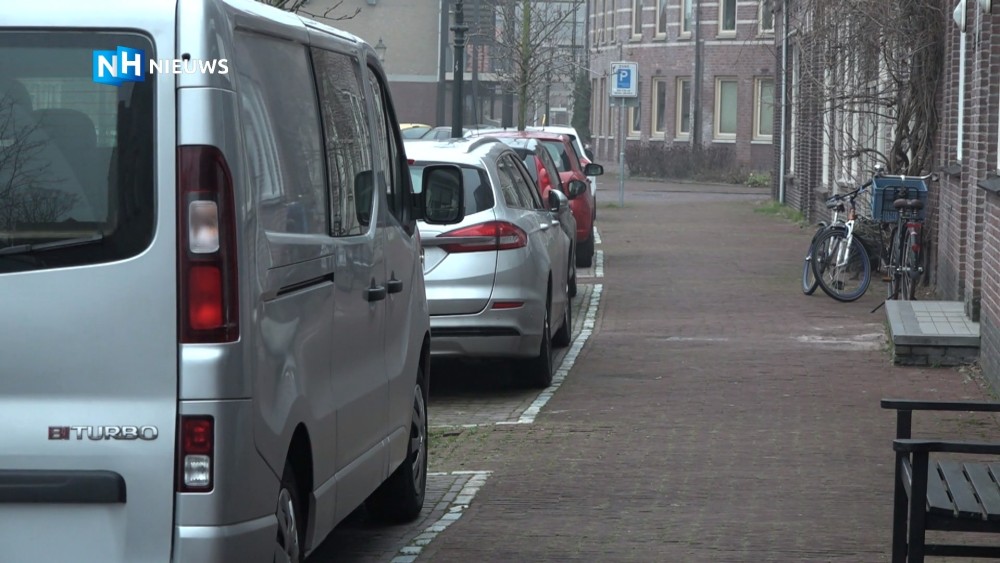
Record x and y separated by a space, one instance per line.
558 202
442 194
593 169
577 188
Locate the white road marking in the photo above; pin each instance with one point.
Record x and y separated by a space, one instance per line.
599 264
529 414
597 236
410 552
870 341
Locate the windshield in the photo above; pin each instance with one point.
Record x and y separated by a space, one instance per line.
76 156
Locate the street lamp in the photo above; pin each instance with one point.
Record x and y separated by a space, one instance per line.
458 99
380 50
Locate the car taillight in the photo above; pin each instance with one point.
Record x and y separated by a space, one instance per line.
208 298
196 454
493 235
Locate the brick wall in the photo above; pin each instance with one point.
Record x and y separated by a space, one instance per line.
989 327
951 192
746 56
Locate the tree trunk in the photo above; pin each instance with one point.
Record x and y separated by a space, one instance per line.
525 62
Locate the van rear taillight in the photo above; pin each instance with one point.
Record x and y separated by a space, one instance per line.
206 255
492 235
196 454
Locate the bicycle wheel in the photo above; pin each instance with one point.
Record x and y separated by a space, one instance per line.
809 283
843 271
910 274
893 288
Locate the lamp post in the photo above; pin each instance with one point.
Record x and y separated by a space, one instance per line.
380 50
458 102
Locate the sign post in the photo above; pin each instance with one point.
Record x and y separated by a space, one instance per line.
624 85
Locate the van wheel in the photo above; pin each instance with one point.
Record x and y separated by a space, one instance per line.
291 533
538 370
401 497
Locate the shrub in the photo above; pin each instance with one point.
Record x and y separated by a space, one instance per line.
714 163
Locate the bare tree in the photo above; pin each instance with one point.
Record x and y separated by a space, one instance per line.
531 47
27 189
871 69
298 7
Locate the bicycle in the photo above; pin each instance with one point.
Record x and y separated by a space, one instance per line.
839 259
908 195
809 282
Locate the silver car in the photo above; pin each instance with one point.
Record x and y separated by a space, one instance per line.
497 281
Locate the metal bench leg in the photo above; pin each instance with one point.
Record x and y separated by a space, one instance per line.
899 506
918 508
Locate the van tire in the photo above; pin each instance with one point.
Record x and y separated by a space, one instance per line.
401 497
289 513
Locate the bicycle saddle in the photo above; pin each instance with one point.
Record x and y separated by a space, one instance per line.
908 204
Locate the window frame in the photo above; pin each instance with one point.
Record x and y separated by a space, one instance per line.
632 132
717 133
680 110
683 25
723 31
656 112
661 19
637 19
758 105
763 6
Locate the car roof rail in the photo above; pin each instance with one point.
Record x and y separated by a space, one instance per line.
480 141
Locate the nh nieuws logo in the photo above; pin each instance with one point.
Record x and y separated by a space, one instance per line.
125 64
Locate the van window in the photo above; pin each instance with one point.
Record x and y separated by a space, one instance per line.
387 147
478 194
76 157
281 133
348 142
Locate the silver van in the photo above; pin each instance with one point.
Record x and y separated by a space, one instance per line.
215 336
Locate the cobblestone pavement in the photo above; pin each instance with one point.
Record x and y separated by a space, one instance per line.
715 414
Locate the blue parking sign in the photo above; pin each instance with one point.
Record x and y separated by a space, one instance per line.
625 83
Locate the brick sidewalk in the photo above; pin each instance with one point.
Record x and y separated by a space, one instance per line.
716 414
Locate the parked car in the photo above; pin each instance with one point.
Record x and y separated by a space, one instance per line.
497 281
538 161
582 152
414 130
570 171
213 350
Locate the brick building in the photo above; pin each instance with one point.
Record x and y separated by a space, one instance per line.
733 103
963 206
968 265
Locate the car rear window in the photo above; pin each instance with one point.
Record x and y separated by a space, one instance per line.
559 154
76 156
478 194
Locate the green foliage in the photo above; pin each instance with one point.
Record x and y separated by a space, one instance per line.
758 179
714 163
778 209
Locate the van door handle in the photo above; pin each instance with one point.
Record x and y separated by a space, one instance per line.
545 226
375 293
394 286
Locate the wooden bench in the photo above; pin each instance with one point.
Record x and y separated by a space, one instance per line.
942 494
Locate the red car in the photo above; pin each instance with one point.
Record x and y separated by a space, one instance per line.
572 173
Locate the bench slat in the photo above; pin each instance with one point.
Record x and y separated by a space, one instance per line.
938 501
986 488
962 495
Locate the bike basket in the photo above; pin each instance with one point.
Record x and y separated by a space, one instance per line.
887 189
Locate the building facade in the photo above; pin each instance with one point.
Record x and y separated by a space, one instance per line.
706 75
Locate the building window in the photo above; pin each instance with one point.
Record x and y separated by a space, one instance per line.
687 20
634 121
683 108
763 129
636 19
661 18
766 17
601 22
727 17
613 32
725 108
659 105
